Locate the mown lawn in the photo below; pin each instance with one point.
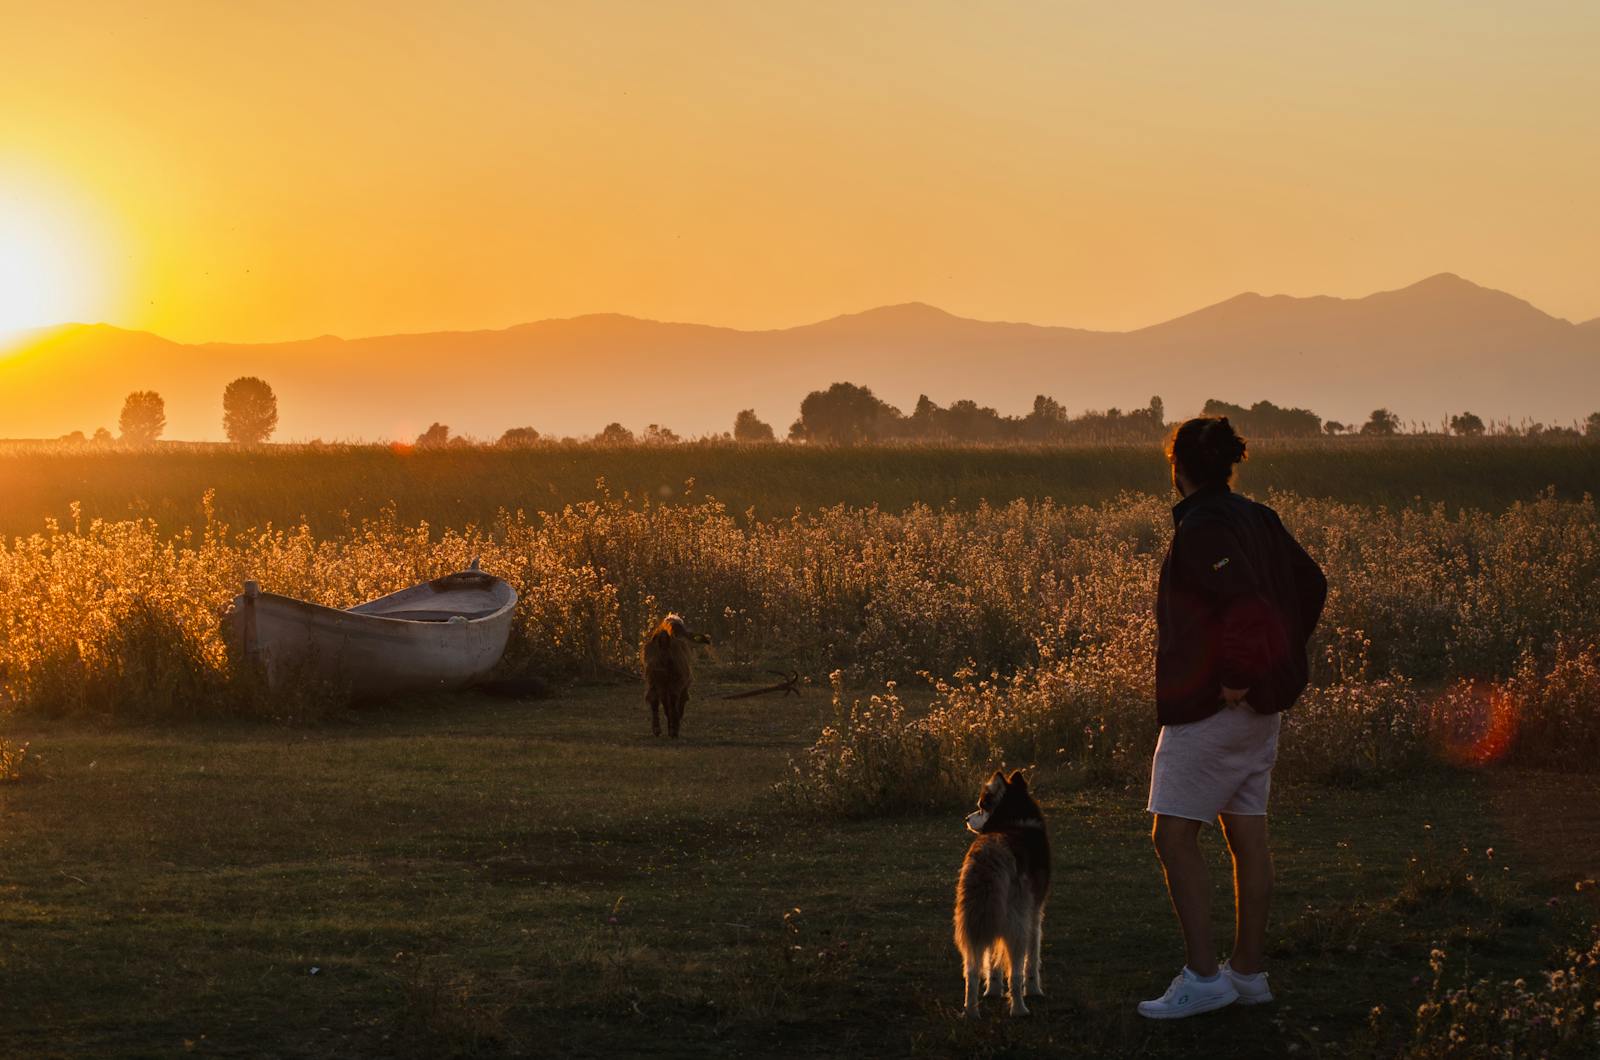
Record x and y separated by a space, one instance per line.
475 875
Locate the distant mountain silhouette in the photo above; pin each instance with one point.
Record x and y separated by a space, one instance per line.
1438 346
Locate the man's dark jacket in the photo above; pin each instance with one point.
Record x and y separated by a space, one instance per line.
1237 603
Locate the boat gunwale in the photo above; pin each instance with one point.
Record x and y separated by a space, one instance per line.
320 610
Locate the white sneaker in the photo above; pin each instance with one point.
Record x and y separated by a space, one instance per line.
1189 996
1253 989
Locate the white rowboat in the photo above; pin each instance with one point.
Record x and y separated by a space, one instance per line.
440 635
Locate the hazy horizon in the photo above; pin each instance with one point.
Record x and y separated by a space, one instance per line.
19 337
1436 347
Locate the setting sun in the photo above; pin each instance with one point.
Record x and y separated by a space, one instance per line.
47 268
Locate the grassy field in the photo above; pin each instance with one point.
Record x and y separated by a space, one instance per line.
455 487
478 876
189 866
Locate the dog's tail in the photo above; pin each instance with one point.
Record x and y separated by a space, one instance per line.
981 893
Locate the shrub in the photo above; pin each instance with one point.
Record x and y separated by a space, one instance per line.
518 437
249 411
1085 713
143 419
1542 714
1355 730
748 427
1556 1014
1035 613
12 758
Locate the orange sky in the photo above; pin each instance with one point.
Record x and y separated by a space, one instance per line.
274 170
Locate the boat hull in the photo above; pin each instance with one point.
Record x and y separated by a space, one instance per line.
439 636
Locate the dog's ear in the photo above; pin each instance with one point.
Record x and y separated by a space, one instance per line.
1018 780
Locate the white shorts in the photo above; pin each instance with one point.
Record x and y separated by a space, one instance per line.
1222 764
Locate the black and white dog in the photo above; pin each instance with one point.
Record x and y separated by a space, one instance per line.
1001 892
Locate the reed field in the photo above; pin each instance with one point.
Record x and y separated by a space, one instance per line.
328 485
952 611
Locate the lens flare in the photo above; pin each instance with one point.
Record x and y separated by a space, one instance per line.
1482 721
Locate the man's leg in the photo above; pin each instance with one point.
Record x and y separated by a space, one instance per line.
1177 842
1252 889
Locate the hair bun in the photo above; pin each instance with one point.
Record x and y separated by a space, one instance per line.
1206 448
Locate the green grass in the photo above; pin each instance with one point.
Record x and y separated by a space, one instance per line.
480 876
456 486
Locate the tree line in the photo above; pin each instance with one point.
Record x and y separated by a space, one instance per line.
849 414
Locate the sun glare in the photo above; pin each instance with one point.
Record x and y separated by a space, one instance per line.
47 274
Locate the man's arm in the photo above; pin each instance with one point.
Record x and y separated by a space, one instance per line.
1310 584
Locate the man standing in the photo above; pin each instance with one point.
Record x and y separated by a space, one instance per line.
1237 602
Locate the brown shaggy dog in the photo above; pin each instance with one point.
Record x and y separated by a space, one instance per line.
1001 893
668 657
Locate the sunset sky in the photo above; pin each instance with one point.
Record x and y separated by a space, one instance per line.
258 171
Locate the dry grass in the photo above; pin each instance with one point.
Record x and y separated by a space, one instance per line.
1026 628
186 873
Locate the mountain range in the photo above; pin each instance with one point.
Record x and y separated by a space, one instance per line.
1439 346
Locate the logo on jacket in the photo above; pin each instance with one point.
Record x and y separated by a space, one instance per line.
1219 564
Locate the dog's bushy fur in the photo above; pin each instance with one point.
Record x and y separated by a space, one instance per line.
1001 893
668 658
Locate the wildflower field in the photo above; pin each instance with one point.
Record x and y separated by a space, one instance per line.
183 849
